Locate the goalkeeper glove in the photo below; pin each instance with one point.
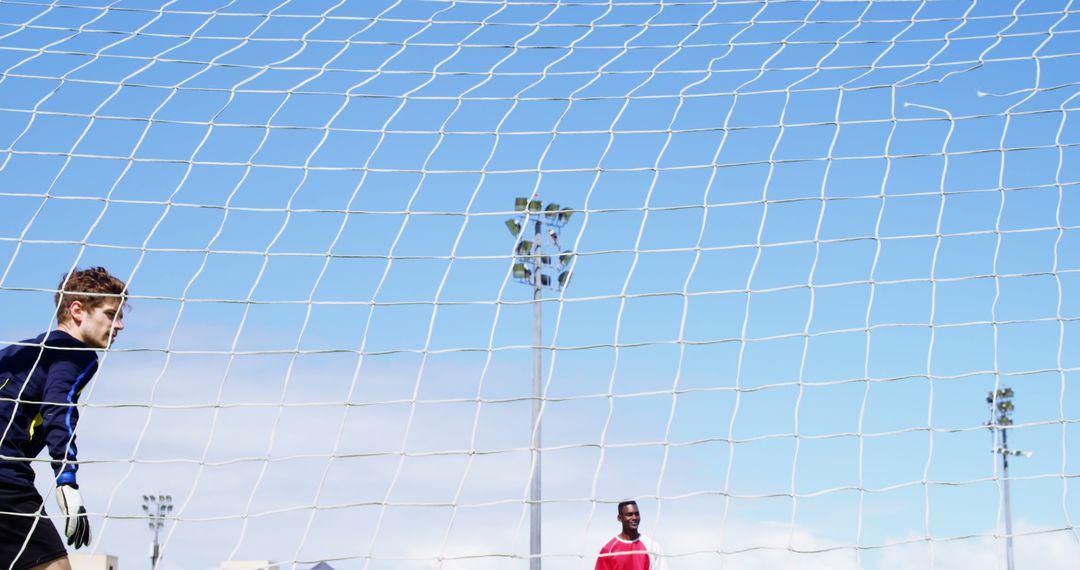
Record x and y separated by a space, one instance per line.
76 523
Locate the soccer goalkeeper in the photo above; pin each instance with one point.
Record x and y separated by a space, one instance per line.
40 382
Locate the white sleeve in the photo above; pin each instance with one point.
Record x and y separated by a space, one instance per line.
656 555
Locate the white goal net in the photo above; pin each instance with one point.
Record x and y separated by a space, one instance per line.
806 240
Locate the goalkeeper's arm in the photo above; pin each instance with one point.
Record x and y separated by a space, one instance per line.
67 377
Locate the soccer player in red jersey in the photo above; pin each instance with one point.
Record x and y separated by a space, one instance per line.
630 550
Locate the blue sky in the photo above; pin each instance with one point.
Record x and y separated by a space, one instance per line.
809 237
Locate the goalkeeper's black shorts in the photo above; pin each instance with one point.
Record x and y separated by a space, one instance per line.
27 537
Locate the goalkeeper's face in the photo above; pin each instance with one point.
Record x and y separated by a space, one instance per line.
98 326
630 518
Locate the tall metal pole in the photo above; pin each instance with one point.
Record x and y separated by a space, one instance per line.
1008 504
534 492
155 549
1001 410
538 263
156 507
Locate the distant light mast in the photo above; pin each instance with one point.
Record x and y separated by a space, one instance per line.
157 508
541 264
1001 409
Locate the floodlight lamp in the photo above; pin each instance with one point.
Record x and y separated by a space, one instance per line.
520 203
534 206
513 226
564 259
564 278
564 216
551 211
519 271
545 280
545 259
524 247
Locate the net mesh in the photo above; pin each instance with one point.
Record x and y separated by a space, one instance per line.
806 239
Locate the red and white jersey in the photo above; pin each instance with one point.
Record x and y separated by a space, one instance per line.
640 554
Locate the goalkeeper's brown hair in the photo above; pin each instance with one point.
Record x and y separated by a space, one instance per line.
91 287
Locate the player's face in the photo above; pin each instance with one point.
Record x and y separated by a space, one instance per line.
99 325
630 518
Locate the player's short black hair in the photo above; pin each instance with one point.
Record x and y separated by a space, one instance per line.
626 504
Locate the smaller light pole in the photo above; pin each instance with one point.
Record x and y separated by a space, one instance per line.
541 264
1001 409
157 508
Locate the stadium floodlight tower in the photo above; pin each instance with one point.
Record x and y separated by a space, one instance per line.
156 507
541 264
1001 409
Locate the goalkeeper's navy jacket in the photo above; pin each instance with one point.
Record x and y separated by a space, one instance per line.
40 383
